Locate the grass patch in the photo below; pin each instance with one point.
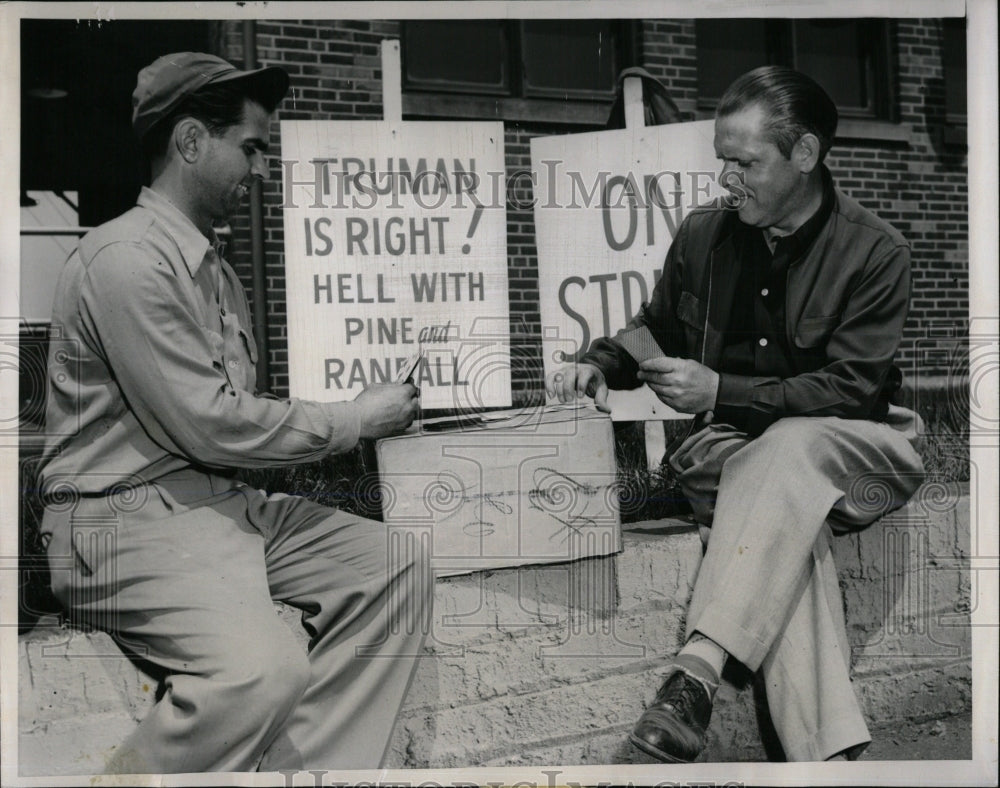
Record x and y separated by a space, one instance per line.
346 481
647 493
945 412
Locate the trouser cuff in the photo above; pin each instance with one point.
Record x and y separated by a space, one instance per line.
742 644
847 736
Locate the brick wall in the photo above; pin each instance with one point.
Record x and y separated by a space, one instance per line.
918 184
668 53
921 188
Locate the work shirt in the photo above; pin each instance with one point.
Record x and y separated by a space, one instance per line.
152 364
755 342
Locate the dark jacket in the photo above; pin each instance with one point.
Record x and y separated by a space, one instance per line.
846 301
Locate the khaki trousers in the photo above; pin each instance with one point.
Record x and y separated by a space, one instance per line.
767 589
183 573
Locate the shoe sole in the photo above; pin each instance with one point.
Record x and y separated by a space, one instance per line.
656 752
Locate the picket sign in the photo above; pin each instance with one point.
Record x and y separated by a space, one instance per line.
396 248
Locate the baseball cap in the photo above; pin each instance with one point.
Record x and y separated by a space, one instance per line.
168 80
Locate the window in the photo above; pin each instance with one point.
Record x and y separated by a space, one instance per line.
457 56
848 57
517 65
569 59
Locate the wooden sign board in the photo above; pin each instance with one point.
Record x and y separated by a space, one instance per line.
394 243
607 206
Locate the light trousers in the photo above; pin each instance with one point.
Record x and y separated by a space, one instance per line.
767 589
184 573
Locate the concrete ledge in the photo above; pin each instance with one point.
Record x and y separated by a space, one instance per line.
553 664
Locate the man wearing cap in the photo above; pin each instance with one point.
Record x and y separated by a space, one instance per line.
151 407
778 315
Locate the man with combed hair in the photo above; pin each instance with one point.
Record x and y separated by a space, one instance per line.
151 407
779 320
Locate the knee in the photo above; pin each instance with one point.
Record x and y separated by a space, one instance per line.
797 447
271 679
795 440
796 433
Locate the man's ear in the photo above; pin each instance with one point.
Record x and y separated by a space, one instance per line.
189 136
806 153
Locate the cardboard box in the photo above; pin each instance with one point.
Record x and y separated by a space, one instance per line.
505 489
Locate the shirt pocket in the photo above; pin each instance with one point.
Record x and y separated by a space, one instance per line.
249 346
242 360
814 332
232 358
218 346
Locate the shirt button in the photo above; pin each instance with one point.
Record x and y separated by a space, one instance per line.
233 362
762 342
764 292
222 312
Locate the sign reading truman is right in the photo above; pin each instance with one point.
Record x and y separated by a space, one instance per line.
607 205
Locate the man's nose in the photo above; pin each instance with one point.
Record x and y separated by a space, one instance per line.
731 176
259 168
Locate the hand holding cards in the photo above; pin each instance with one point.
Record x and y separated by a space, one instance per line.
682 383
386 409
406 371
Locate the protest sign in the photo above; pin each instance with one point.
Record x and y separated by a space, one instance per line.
607 205
395 244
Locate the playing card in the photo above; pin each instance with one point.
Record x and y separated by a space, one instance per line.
406 371
640 344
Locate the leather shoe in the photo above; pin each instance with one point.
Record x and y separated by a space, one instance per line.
672 729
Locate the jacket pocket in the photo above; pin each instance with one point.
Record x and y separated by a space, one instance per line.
812 332
691 313
691 310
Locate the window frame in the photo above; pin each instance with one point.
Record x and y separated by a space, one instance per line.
457 86
455 101
955 119
620 28
877 67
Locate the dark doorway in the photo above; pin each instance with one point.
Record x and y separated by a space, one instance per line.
77 80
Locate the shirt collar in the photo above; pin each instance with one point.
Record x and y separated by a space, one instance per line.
193 246
796 243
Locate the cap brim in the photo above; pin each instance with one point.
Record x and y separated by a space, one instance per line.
270 84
